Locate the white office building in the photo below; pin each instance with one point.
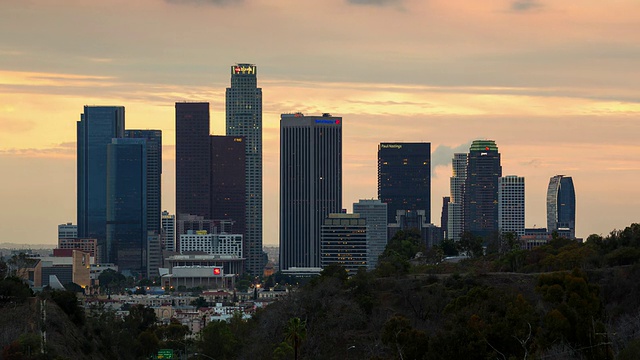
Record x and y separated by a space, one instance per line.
375 214
455 225
213 244
511 204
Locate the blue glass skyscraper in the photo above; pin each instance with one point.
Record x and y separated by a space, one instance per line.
154 175
561 206
97 126
127 205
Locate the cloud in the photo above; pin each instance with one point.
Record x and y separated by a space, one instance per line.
62 150
525 5
531 163
205 2
443 154
374 2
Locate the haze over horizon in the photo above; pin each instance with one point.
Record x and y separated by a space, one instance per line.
554 83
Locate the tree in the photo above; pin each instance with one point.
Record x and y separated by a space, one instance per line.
217 341
408 342
401 248
199 302
140 318
335 271
449 247
295 332
470 244
68 302
18 265
14 289
110 280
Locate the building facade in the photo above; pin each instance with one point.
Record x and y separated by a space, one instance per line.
511 205
97 126
154 175
127 205
168 231
375 214
228 182
416 220
67 231
89 246
561 206
193 165
212 244
481 188
310 184
455 224
404 177
343 241
244 119
444 216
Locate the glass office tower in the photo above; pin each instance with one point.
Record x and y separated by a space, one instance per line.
127 205
481 188
244 118
310 184
228 188
404 178
97 126
193 165
154 175
561 206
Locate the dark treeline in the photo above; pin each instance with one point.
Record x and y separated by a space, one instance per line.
564 300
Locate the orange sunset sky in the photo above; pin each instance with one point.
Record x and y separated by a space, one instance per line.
555 83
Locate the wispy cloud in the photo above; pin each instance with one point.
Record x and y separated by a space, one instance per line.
62 150
531 163
374 2
206 2
525 5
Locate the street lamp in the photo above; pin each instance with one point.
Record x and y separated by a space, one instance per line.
207 356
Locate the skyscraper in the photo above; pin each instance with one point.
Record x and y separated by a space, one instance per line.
228 182
244 118
561 206
310 184
455 225
193 154
127 205
481 188
97 126
404 177
444 216
154 175
168 231
511 205
375 213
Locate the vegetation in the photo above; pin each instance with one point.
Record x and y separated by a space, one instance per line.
564 300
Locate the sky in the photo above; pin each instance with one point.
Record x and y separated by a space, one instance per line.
554 83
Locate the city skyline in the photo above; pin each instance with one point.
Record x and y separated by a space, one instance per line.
558 96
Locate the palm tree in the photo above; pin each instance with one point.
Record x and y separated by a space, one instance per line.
296 332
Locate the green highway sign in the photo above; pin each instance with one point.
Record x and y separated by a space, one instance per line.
165 354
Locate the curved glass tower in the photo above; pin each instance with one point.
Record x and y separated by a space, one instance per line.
561 206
